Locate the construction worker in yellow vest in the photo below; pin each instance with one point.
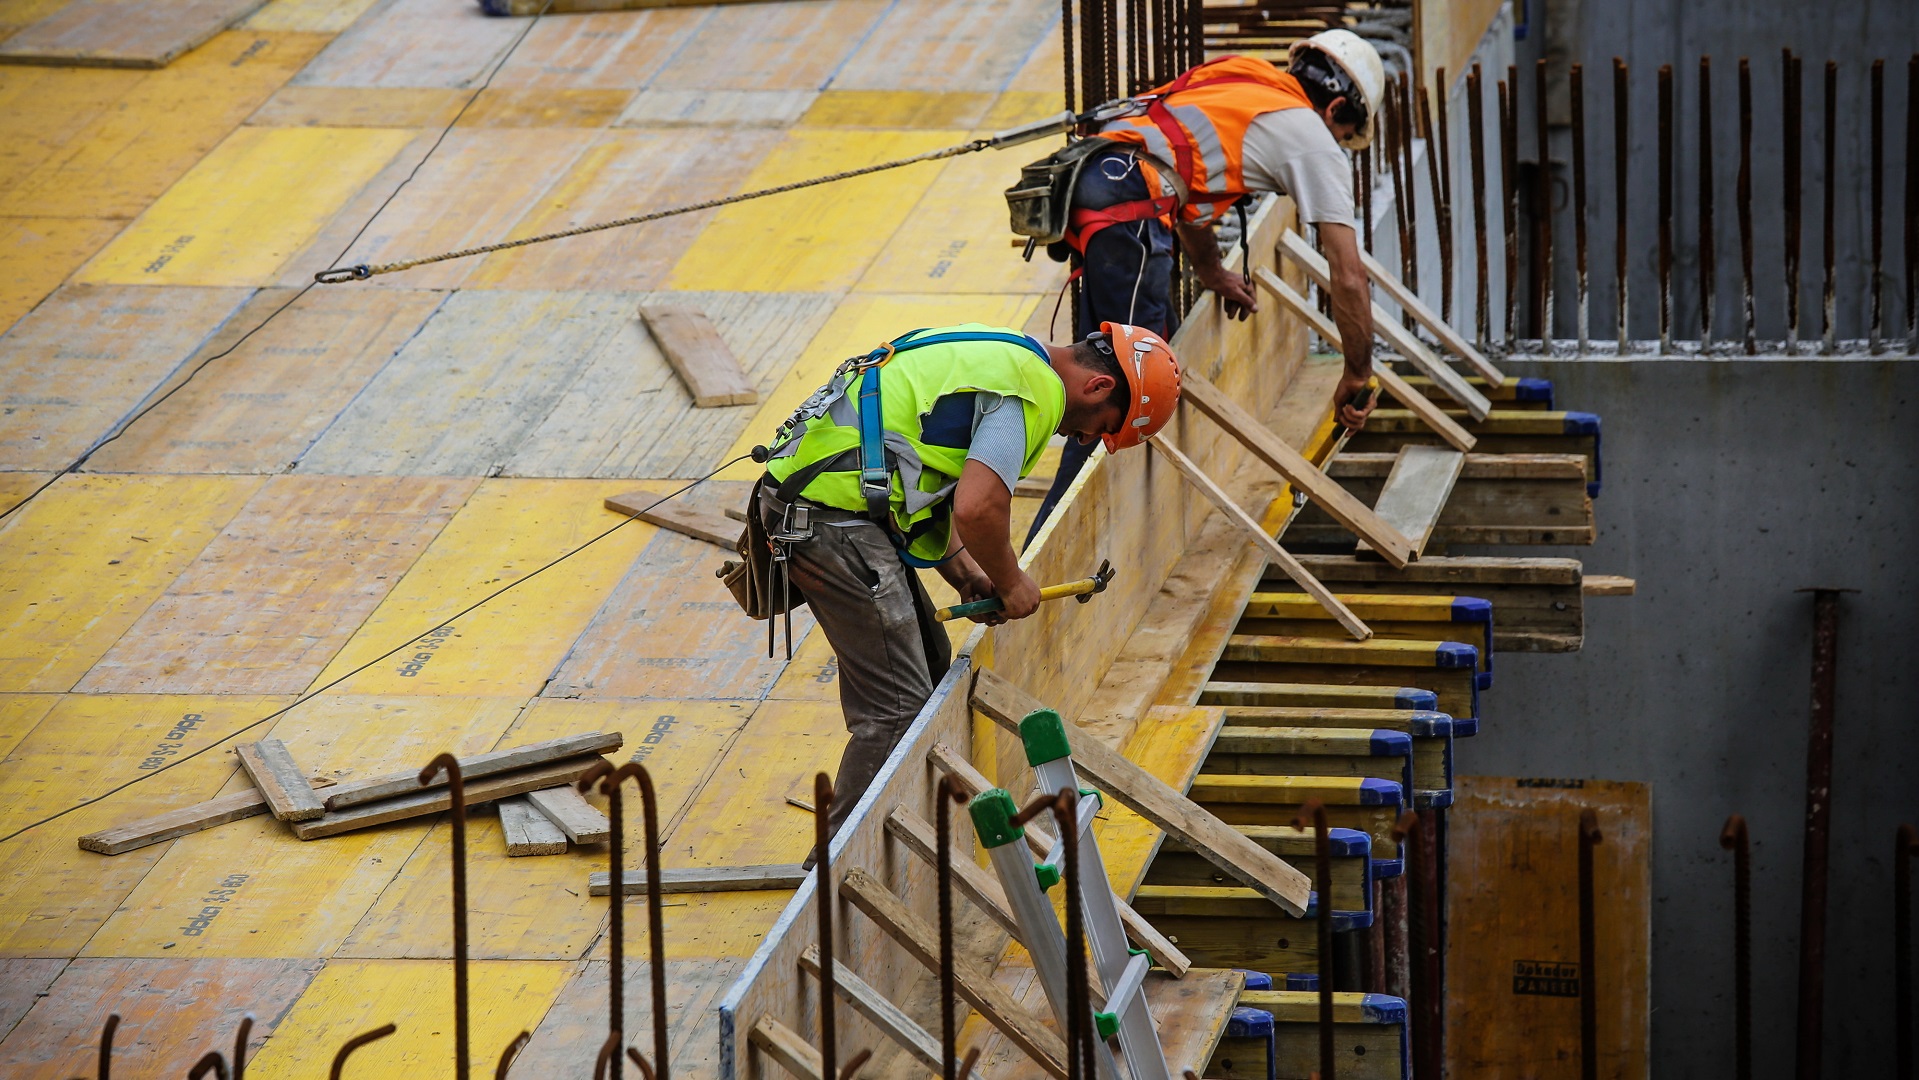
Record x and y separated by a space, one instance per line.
1190 150
907 458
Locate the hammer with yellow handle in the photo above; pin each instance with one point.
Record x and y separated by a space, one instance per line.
1084 588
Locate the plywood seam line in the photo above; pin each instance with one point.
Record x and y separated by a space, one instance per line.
311 694
127 423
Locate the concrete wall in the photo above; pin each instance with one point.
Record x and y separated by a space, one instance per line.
1728 485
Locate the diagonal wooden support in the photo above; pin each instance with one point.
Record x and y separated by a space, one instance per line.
1146 795
785 1046
882 1013
1338 503
1443 376
1428 410
1416 491
1289 565
1426 317
892 915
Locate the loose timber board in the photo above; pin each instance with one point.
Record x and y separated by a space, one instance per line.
122 33
702 361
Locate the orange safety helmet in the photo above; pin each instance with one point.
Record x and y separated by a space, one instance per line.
1152 377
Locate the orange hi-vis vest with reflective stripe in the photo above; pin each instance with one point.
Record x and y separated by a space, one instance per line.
1198 123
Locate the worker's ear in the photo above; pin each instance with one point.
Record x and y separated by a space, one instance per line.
1098 386
1332 109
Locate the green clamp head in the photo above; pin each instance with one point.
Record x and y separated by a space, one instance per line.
993 812
1048 875
1044 734
1107 1023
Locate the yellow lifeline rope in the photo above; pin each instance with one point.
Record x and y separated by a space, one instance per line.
1052 125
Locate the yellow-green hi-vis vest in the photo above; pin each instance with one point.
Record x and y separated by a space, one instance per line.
926 365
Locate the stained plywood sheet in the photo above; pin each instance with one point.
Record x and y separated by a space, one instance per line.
568 1039
626 414
509 647
86 357
361 106
820 238
600 50
171 1014
770 46
717 108
22 982
270 601
539 107
1512 957
622 174
477 185
898 109
354 996
288 897
247 207
539 909
37 254
671 630
414 43
944 45
259 408
54 896
123 158
312 16
44 109
122 33
87 558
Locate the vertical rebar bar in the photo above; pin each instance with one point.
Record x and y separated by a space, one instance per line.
822 850
1396 162
1365 201
1508 159
1408 121
456 795
1829 186
1312 815
347 1048
1437 184
1444 196
1912 206
1744 197
1620 100
1812 905
106 1046
607 776
1665 208
1707 248
1543 215
1588 949
1790 101
1066 47
1908 845
240 1047
1735 839
1576 84
1476 132
944 797
655 914
1875 318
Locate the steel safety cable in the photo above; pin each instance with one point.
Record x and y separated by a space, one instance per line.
317 691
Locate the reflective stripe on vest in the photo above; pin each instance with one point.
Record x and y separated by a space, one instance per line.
1198 122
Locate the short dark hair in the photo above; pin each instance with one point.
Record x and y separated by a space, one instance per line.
1325 82
1095 354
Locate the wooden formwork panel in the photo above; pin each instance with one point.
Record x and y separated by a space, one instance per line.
361 106
413 43
946 45
122 33
311 16
37 254
770 46
613 50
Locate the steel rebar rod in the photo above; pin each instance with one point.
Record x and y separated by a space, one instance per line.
822 845
1665 209
1790 124
456 794
1734 838
1707 247
1443 197
1744 198
1476 132
1912 206
1576 84
1875 320
1509 210
1312 815
616 909
1620 99
1907 846
1829 185
1543 216
946 795
1813 871
1588 949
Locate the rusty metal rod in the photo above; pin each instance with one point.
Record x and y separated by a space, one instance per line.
646 1071
240 1047
1543 215
512 1051
944 797
1912 206
1812 905
106 1045
655 912
1476 132
1735 839
347 1048
1588 950
1312 815
1066 819
1830 186
1508 156
1576 83
1907 846
1444 196
456 793
1409 118
1366 197
1707 248
822 841
1620 99
1066 47
213 1062
1401 187
610 1048
1665 208
1744 198
1876 315
608 778
1790 102
1414 834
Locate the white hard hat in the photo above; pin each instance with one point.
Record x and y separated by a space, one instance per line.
1360 61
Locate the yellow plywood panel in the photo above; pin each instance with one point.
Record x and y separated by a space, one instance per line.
312 16
819 239
350 997
84 560
624 173
860 324
947 45
124 158
897 109
361 106
1170 745
87 356
476 186
771 46
53 896
43 109
505 531
278 895
18 14
415 43
955 240
272 599
600 49
37 254
1016 107
258 409
246 207
518 106
538 909
812 675
18 715
17 487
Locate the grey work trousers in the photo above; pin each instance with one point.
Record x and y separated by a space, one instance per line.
879 620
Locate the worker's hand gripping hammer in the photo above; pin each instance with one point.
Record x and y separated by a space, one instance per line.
1084 588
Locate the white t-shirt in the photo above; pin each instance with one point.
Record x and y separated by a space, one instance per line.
1291 151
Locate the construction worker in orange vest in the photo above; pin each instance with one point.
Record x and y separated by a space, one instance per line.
1188 151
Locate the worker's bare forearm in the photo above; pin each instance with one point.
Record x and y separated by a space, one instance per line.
1201 247
984 527
1352 298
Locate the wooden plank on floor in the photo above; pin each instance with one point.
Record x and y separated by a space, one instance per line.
475 766
247 207
280 782
271 600
945 46
1513 946
122 33
526 831
83 561
414 43
706 879
717 529
37 254
87 356
702 361
671 630
259 408
770 47
168 1008
568 810
432 801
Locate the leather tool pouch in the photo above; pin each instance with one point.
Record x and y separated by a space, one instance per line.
1041 203
748 579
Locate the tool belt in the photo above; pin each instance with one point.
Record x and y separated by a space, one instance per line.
1041 204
